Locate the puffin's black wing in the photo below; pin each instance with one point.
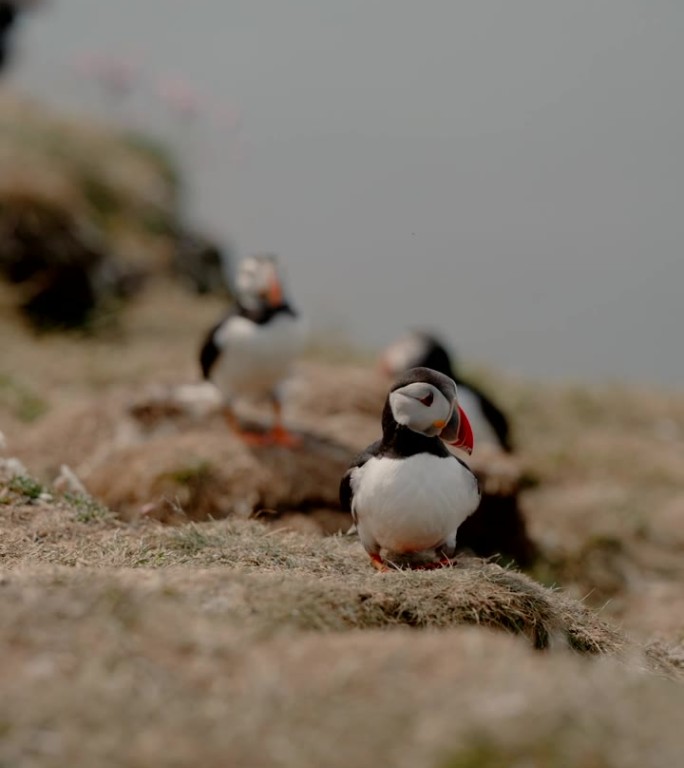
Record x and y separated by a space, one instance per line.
346 492
210 350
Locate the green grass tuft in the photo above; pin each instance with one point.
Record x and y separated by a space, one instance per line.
190 540
87 509
193 474
26 487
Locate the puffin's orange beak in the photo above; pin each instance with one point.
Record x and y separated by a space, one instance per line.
458 431
274 294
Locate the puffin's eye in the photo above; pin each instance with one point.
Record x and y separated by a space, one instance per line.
427 400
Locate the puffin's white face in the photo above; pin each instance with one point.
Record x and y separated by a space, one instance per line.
422 407
258 283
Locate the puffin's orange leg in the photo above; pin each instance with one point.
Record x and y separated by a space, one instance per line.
378 563
279 435
250 438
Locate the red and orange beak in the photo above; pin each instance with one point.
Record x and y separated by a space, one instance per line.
274 292
458 431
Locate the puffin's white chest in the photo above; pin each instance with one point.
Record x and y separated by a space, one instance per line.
255 358
412 504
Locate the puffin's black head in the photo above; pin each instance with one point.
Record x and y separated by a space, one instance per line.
428 376
425 401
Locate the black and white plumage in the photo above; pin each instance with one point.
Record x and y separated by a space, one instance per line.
249 353
418 348
407 493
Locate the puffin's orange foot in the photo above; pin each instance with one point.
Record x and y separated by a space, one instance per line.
280 436
247 437
255 439
379 564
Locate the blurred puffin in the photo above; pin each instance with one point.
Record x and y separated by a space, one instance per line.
418 348
406 492
250 351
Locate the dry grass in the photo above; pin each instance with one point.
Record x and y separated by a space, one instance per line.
607 511
289 580
156 342
176 685
227 644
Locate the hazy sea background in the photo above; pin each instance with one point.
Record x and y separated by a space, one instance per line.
510 174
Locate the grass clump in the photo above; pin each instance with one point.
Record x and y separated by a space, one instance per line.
545 752
88 510
190 540
25 488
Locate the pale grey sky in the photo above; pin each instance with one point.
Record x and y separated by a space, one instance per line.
507 172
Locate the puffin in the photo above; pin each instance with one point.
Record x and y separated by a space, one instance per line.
418 348
407 493
250 351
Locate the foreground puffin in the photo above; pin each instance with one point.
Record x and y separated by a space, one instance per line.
406 492
250 351
418 348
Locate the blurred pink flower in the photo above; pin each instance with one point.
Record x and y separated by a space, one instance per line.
180 97
116 75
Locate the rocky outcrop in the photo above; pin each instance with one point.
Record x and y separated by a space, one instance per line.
87 216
